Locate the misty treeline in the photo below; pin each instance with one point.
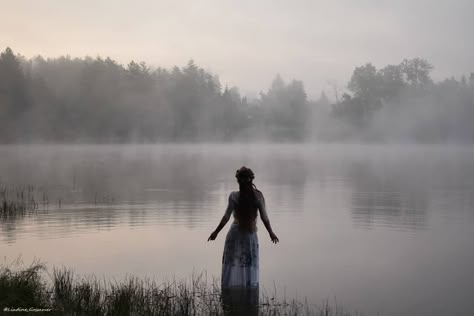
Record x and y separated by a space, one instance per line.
402 103
99 100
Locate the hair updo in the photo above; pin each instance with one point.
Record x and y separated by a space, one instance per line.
244 175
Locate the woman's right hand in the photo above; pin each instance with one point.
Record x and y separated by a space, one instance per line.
213 236
274 238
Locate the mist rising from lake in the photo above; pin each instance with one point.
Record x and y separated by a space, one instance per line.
382 228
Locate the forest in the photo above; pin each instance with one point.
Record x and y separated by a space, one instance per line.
97 100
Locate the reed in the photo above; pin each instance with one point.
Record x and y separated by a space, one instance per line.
17 202
23 287
66 294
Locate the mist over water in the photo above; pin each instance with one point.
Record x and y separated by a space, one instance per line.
122 128
382 228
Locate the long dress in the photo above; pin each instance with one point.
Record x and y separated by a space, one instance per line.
240 260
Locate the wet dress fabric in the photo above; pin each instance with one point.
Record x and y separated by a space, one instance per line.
240 260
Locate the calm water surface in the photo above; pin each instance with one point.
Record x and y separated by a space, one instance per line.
381 229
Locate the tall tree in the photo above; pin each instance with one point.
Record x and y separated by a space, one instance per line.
392 82
417 71
13 86
365 82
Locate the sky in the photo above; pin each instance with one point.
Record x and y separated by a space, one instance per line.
247 42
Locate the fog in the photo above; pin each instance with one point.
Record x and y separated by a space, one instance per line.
370 222
96 100
228 71
122 124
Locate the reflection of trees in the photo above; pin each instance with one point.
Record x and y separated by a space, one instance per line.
111 186
386 200
143 185
78 218
289 172
394 209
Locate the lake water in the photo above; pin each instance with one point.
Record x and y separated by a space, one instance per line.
383 230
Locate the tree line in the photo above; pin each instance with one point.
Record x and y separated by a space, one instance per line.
402 101
101 101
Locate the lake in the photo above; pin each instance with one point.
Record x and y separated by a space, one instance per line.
385 230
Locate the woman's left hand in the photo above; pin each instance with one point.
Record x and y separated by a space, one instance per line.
274 238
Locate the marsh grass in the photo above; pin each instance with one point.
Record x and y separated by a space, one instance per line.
23 287
67 294
18 201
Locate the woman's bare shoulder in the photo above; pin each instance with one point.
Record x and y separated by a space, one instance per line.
259 195
234 194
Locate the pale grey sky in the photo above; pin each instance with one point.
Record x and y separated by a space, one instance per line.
247 42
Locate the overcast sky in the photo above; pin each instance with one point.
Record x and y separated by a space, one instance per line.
246 42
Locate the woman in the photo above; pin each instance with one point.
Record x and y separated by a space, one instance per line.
240 258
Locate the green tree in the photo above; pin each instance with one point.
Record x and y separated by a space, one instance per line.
416 71
14 98
365 82
392 82
354 111
286 109
13 86
366 85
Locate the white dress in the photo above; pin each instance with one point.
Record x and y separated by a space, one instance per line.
240 260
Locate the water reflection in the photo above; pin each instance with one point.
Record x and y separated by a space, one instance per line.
76 219
393 209
149 209
94 187
237 302
385 200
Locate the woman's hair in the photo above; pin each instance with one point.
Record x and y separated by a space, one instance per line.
246 210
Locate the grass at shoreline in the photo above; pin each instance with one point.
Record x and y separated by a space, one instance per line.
66 294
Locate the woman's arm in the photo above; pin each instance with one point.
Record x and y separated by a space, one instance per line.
218 229
224 220
266 221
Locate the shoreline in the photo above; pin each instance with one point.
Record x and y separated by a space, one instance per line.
35 289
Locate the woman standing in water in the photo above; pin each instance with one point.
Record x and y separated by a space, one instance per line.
240 258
